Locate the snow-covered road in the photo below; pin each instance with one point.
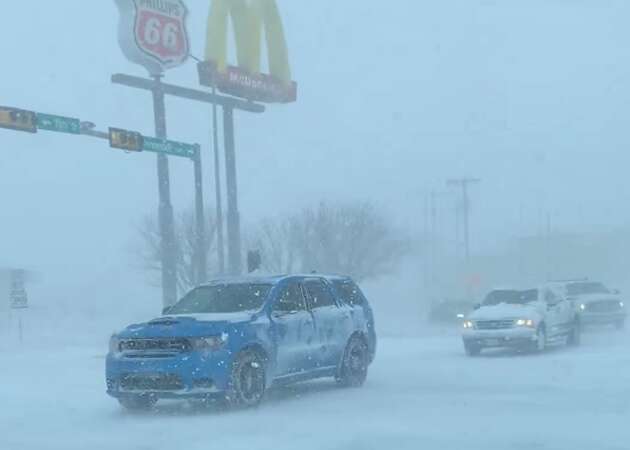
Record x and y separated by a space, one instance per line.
422 393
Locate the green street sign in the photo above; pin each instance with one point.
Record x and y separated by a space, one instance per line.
169 147
59 124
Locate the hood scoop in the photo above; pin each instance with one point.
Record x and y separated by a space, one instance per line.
168 321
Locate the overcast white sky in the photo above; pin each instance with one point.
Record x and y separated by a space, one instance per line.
394 97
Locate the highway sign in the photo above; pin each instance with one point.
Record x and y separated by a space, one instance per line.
153 33
18 119
170 147
59 124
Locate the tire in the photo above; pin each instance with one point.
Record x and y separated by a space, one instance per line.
620 324
138 402
541 340
353 366
575 336
472 349
248 380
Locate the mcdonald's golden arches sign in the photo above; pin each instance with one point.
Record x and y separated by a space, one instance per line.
250 18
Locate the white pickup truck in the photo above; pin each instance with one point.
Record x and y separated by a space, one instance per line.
528 319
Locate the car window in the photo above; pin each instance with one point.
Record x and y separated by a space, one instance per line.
511 296
349 292
291 299
583 288
219 299
551 297
318 294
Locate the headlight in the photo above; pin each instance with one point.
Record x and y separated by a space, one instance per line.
582 306
621 304
469 324
211 343
525 323
114 344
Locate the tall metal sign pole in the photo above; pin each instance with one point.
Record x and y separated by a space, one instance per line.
154 35
233 216
463 183
200 223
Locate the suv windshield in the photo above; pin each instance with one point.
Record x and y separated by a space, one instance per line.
511 296
227 298
583 288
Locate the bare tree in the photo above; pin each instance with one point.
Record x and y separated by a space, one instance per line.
353 239
148 247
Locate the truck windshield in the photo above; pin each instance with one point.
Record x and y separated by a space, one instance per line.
227 298
511 296
586 288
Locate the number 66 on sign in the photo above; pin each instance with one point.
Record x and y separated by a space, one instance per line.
153 33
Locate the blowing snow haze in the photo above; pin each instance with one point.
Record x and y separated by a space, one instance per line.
394 99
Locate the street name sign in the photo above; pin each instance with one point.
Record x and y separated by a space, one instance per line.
59 124
170 147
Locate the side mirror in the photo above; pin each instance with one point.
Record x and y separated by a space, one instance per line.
476 306
616 291
166 310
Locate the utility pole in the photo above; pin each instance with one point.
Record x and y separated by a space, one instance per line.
168 246
233 219
201 237
464 183
217 187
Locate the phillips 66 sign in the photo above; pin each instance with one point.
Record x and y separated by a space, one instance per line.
153 33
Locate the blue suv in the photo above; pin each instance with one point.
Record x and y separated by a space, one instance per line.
233 339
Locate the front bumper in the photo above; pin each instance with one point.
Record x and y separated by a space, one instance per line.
592 318
516 337
186 375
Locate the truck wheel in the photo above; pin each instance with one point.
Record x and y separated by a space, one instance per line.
620 324
353 367
575 335
472 349
539 345
248 381
138 402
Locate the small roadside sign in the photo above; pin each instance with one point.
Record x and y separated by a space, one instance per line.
17 296
18 299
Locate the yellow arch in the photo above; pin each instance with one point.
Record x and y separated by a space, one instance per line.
249 18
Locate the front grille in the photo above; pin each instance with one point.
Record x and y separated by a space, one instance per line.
157 345
149 382
494 324
603 307
111 384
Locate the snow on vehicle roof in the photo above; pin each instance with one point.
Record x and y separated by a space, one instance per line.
272 279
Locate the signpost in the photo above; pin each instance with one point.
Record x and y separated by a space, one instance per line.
153 34
18 300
